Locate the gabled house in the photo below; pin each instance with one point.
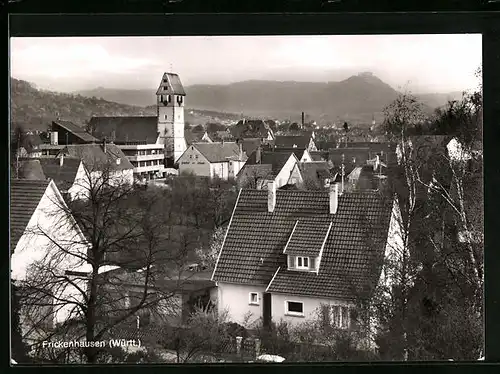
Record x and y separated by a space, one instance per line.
41 229
185 288
65 172
289 253
296 141
197 137
97 161
223 160
312 175
253 128
302 154
67 132
265 166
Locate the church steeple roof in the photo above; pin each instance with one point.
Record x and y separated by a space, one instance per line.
170 84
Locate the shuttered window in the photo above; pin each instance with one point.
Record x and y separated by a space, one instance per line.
313 263
291 262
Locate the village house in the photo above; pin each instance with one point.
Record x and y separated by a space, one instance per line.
67 132
223 160
302 154
296 141
197 137
289 253
312 175
41 229
173 296
75 166
150 142
253 128
264 166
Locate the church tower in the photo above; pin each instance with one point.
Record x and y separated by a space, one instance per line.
170 111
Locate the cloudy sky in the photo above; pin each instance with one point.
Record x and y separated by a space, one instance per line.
426 63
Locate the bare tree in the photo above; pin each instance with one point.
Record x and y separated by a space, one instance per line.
122 227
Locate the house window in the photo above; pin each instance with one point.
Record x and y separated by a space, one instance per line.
340 316
165 117
254 298
294 308
196 156
302 262
169 98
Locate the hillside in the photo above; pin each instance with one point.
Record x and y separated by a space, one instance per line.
357 98
35 109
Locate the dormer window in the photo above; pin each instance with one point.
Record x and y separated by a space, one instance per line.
302 262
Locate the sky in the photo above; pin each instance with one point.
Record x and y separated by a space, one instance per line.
422 63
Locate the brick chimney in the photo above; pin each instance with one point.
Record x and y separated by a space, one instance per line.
104 145
61 159
271 196
334 197
303 119
240 146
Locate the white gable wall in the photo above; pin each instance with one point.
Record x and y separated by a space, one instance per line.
306 157
81 186
50 235
193 161
284 174
235 299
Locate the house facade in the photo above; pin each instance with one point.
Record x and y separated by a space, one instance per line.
42 231
223 160
98 164
290 254
263 167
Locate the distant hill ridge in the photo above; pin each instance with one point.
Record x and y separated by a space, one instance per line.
358 97
355 99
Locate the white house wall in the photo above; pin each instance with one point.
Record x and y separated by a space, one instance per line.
284 174
81 186
235 299
48 222
188 163
311 307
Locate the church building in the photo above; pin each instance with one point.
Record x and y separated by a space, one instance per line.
151 143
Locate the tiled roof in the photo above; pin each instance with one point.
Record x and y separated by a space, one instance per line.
24 198
195 137
287 141
251 128
250 145
218 152
64 176
298 152
316 170
361 155
350 258
31 169
93 156
275 158
171 83
308 237
126 129
75 130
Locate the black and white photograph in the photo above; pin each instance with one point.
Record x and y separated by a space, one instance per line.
246 199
